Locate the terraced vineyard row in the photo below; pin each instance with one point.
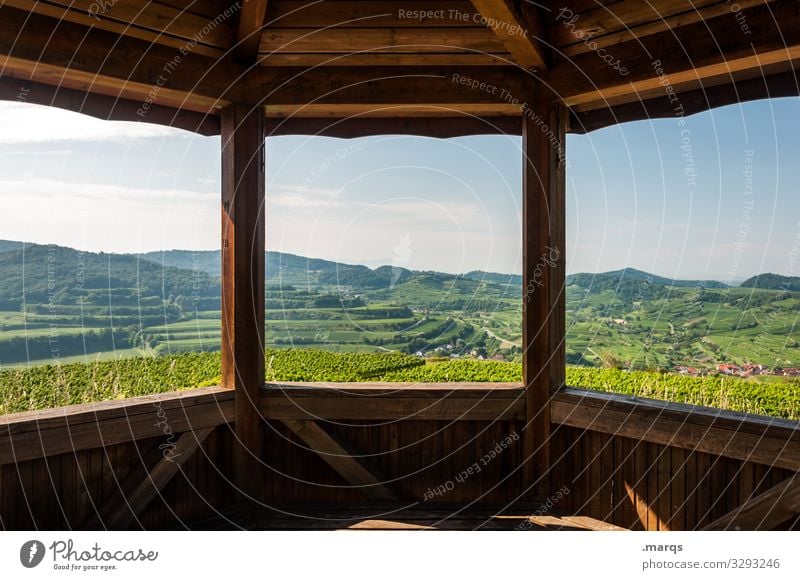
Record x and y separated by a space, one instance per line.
53 386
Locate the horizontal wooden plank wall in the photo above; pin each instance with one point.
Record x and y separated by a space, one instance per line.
661 479
647 486
67 491
423 460
652 465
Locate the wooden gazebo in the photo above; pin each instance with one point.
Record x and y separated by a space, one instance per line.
256 455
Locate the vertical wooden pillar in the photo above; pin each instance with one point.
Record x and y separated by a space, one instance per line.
543 278
243 239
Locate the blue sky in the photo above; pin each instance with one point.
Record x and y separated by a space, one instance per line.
715 198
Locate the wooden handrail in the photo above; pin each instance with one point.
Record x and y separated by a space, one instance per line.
34 434
765 440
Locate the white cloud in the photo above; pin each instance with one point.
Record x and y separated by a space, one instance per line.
463 213
53 191
25 123
96 216
299 202
306 190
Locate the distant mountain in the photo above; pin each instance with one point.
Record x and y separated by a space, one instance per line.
45 274
289 269
207 261
97 302
10 246
604 280
773 282
193 273
494 277
608 280
301 271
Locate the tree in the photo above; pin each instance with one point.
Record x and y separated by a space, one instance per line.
610 361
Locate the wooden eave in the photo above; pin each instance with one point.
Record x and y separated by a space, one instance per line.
331 61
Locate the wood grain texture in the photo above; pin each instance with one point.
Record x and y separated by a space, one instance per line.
249 30
156 479
659 487
344 459
354 127
697 55
631 19
765 511
309 60
243 239
734 435
519 27
61 53
393 402
543 186
396 85
380 40
372 14
25 436
157 22
690 102
105 107
647 475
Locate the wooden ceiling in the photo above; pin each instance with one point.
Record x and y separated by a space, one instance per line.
398 59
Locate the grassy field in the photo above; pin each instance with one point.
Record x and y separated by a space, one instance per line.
57 385
637 327
684 326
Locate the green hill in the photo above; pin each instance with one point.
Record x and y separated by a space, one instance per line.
628 277
168 302
494 277
289 269
58 275
773 282
8 245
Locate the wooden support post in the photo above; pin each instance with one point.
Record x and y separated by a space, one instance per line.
243 238
543 275
337 453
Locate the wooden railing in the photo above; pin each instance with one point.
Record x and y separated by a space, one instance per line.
652 465
632 462
765 440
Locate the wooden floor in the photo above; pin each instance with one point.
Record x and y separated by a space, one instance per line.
394 517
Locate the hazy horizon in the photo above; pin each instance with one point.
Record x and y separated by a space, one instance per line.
714 199
356 263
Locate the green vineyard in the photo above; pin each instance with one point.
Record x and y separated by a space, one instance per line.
53 386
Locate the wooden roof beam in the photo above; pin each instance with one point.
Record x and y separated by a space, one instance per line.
768 87
626 20
518 27
701 54
290 90
357 126
69 55
105 107
249 29
157 23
